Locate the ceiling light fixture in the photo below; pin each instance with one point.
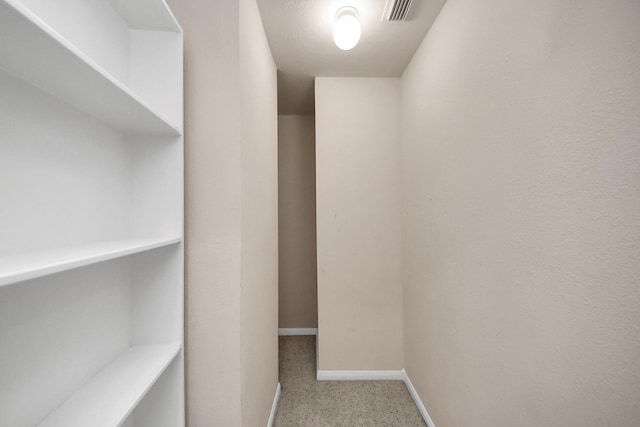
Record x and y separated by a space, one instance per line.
346 30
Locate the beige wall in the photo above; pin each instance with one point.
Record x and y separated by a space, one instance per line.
212 210
521 231
222 43
259 117
297 304
358 223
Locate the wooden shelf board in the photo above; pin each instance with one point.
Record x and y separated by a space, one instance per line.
110 397
27 266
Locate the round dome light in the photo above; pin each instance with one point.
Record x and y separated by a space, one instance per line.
346 30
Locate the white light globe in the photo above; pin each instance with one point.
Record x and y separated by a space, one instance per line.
346 30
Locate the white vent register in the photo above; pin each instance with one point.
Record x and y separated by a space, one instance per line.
396 10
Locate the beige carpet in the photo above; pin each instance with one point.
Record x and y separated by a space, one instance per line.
307 402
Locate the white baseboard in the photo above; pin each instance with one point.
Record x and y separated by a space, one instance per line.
379 375
374 375
297 331
359 375
417 400
274 407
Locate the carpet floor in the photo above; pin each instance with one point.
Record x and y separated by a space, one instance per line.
307 402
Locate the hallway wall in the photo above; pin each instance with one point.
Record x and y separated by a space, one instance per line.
521 226
358 223
297 302
259 136
230 214
213 195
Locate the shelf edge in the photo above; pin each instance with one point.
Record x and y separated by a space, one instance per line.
54 418
65 265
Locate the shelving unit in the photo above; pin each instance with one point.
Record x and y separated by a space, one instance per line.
91 250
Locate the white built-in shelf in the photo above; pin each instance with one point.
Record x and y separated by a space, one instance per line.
27 266
33 51
108 398
91 170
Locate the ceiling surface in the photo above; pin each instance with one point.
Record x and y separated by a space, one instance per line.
300 34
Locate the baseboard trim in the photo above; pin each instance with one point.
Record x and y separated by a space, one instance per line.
283 332
417 400
359 375
378 375
274 407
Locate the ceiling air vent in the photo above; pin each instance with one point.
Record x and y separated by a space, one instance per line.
396 10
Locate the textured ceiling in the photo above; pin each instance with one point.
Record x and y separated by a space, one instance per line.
301 41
